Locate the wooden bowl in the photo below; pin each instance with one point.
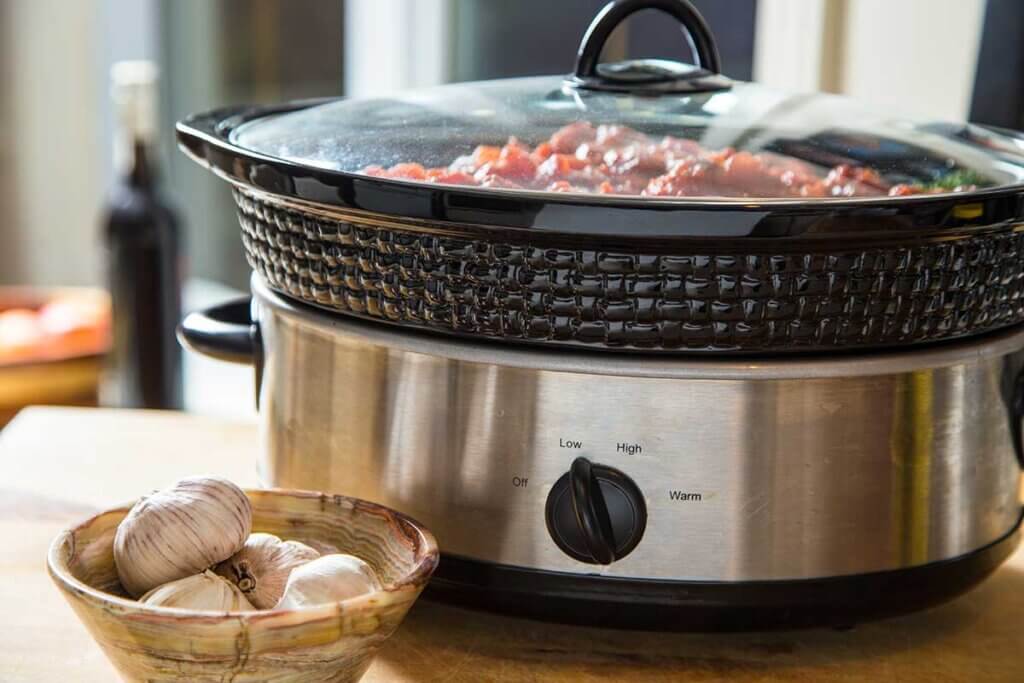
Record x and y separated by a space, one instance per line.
330 642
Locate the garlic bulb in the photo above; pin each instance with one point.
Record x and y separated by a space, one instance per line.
261 568
180 531
205 591
329 578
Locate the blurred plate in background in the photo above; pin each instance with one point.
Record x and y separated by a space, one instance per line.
52 343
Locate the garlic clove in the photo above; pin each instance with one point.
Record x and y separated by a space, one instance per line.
261 568
329 578
180 531
206 591
322 547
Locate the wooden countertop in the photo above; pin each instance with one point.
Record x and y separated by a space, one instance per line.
57 465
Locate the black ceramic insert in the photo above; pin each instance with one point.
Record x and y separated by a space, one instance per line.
629 272
464 210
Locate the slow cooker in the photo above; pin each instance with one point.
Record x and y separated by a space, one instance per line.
641 345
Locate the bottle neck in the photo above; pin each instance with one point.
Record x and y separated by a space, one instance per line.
133 89
135 161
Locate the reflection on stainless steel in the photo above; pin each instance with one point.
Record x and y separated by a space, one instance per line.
751 470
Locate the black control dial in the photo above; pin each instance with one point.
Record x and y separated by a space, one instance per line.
595 513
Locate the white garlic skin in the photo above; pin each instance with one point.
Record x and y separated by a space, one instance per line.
180 531
261 568
329 578
205 591
322 547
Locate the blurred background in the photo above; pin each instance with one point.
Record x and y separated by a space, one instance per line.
941 59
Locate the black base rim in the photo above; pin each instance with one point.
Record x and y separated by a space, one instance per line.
839 602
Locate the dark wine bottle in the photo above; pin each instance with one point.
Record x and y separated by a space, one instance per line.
142 241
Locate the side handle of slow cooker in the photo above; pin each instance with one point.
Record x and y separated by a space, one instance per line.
1017 417
225 332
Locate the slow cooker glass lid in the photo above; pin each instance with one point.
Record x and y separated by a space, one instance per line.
543 135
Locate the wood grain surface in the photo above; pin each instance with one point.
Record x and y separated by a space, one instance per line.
57 465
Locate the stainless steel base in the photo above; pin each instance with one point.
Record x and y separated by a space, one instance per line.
752 469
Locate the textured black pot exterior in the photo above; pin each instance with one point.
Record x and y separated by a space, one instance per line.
746 296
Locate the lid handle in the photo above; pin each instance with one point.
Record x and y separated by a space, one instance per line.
649 76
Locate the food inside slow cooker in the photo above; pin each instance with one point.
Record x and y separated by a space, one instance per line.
613 159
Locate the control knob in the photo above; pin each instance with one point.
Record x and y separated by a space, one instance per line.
595 513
